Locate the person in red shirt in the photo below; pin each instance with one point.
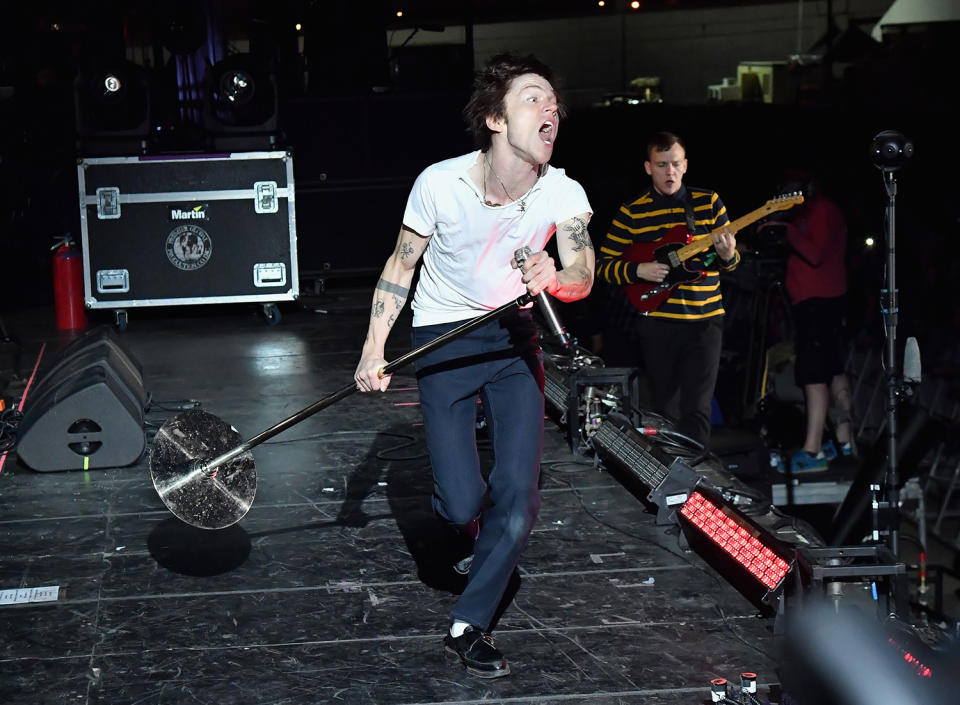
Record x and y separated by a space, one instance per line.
816 283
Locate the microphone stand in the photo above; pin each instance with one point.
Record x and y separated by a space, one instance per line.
890 150
895 385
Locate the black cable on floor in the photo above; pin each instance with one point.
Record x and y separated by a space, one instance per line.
9 423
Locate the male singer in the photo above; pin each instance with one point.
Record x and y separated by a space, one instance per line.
466 217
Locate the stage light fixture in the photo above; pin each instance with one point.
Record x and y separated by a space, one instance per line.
741 541
112 107
241 94
556 391
241 101
751 559
236 87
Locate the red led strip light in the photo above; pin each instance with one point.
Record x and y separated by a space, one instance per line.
745 548
921 668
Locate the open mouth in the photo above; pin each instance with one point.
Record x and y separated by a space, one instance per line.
546 132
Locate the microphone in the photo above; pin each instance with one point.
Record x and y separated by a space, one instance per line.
546 305
911 361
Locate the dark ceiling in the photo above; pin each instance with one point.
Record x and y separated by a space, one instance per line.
138 14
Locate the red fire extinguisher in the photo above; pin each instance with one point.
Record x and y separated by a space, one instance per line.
68 285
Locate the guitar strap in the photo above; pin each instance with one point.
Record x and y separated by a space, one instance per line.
688 210
708 258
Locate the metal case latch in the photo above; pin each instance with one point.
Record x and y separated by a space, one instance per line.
108 202
113 281
265 196
269 274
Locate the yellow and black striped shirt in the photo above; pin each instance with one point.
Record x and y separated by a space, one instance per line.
647 219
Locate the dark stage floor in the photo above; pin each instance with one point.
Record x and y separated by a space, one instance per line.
335 587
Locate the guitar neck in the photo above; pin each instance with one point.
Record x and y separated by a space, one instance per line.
734 226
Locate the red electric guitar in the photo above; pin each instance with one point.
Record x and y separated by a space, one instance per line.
677 246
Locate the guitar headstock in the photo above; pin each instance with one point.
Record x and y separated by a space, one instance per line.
782 203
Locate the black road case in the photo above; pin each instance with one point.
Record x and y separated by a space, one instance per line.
188 229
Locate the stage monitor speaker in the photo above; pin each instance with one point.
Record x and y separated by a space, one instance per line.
102 335
87 422
86 411
114 366
100 346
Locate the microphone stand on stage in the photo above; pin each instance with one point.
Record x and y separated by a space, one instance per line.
889 151
835 563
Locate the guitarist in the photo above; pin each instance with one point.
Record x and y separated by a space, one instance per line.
680 339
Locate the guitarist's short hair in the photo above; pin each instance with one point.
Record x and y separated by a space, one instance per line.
661 142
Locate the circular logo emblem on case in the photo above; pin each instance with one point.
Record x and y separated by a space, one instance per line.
188 247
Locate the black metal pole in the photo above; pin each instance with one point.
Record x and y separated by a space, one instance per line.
890 310
349 389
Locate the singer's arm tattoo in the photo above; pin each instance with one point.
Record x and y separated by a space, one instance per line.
576 230
398 297
391 288
577 256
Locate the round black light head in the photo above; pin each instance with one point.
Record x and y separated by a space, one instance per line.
112 83
240 92
890 150
113 97
236 88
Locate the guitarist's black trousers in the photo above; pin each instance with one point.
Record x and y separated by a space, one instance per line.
681 359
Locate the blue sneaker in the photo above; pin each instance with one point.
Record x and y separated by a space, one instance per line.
847 449
829 450
805 462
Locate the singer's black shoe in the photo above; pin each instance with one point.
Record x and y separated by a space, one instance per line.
477 653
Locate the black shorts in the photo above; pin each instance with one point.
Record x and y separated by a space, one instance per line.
819 341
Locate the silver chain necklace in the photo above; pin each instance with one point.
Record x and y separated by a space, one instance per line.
523 201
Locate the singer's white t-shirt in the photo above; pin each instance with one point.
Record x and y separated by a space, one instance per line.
466 268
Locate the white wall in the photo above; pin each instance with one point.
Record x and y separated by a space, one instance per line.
687 49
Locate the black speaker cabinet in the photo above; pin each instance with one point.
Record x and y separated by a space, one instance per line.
100 346
102 335
86 411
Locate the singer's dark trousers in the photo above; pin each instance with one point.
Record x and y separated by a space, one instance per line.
499 364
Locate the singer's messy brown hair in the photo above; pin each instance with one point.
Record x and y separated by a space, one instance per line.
490 86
